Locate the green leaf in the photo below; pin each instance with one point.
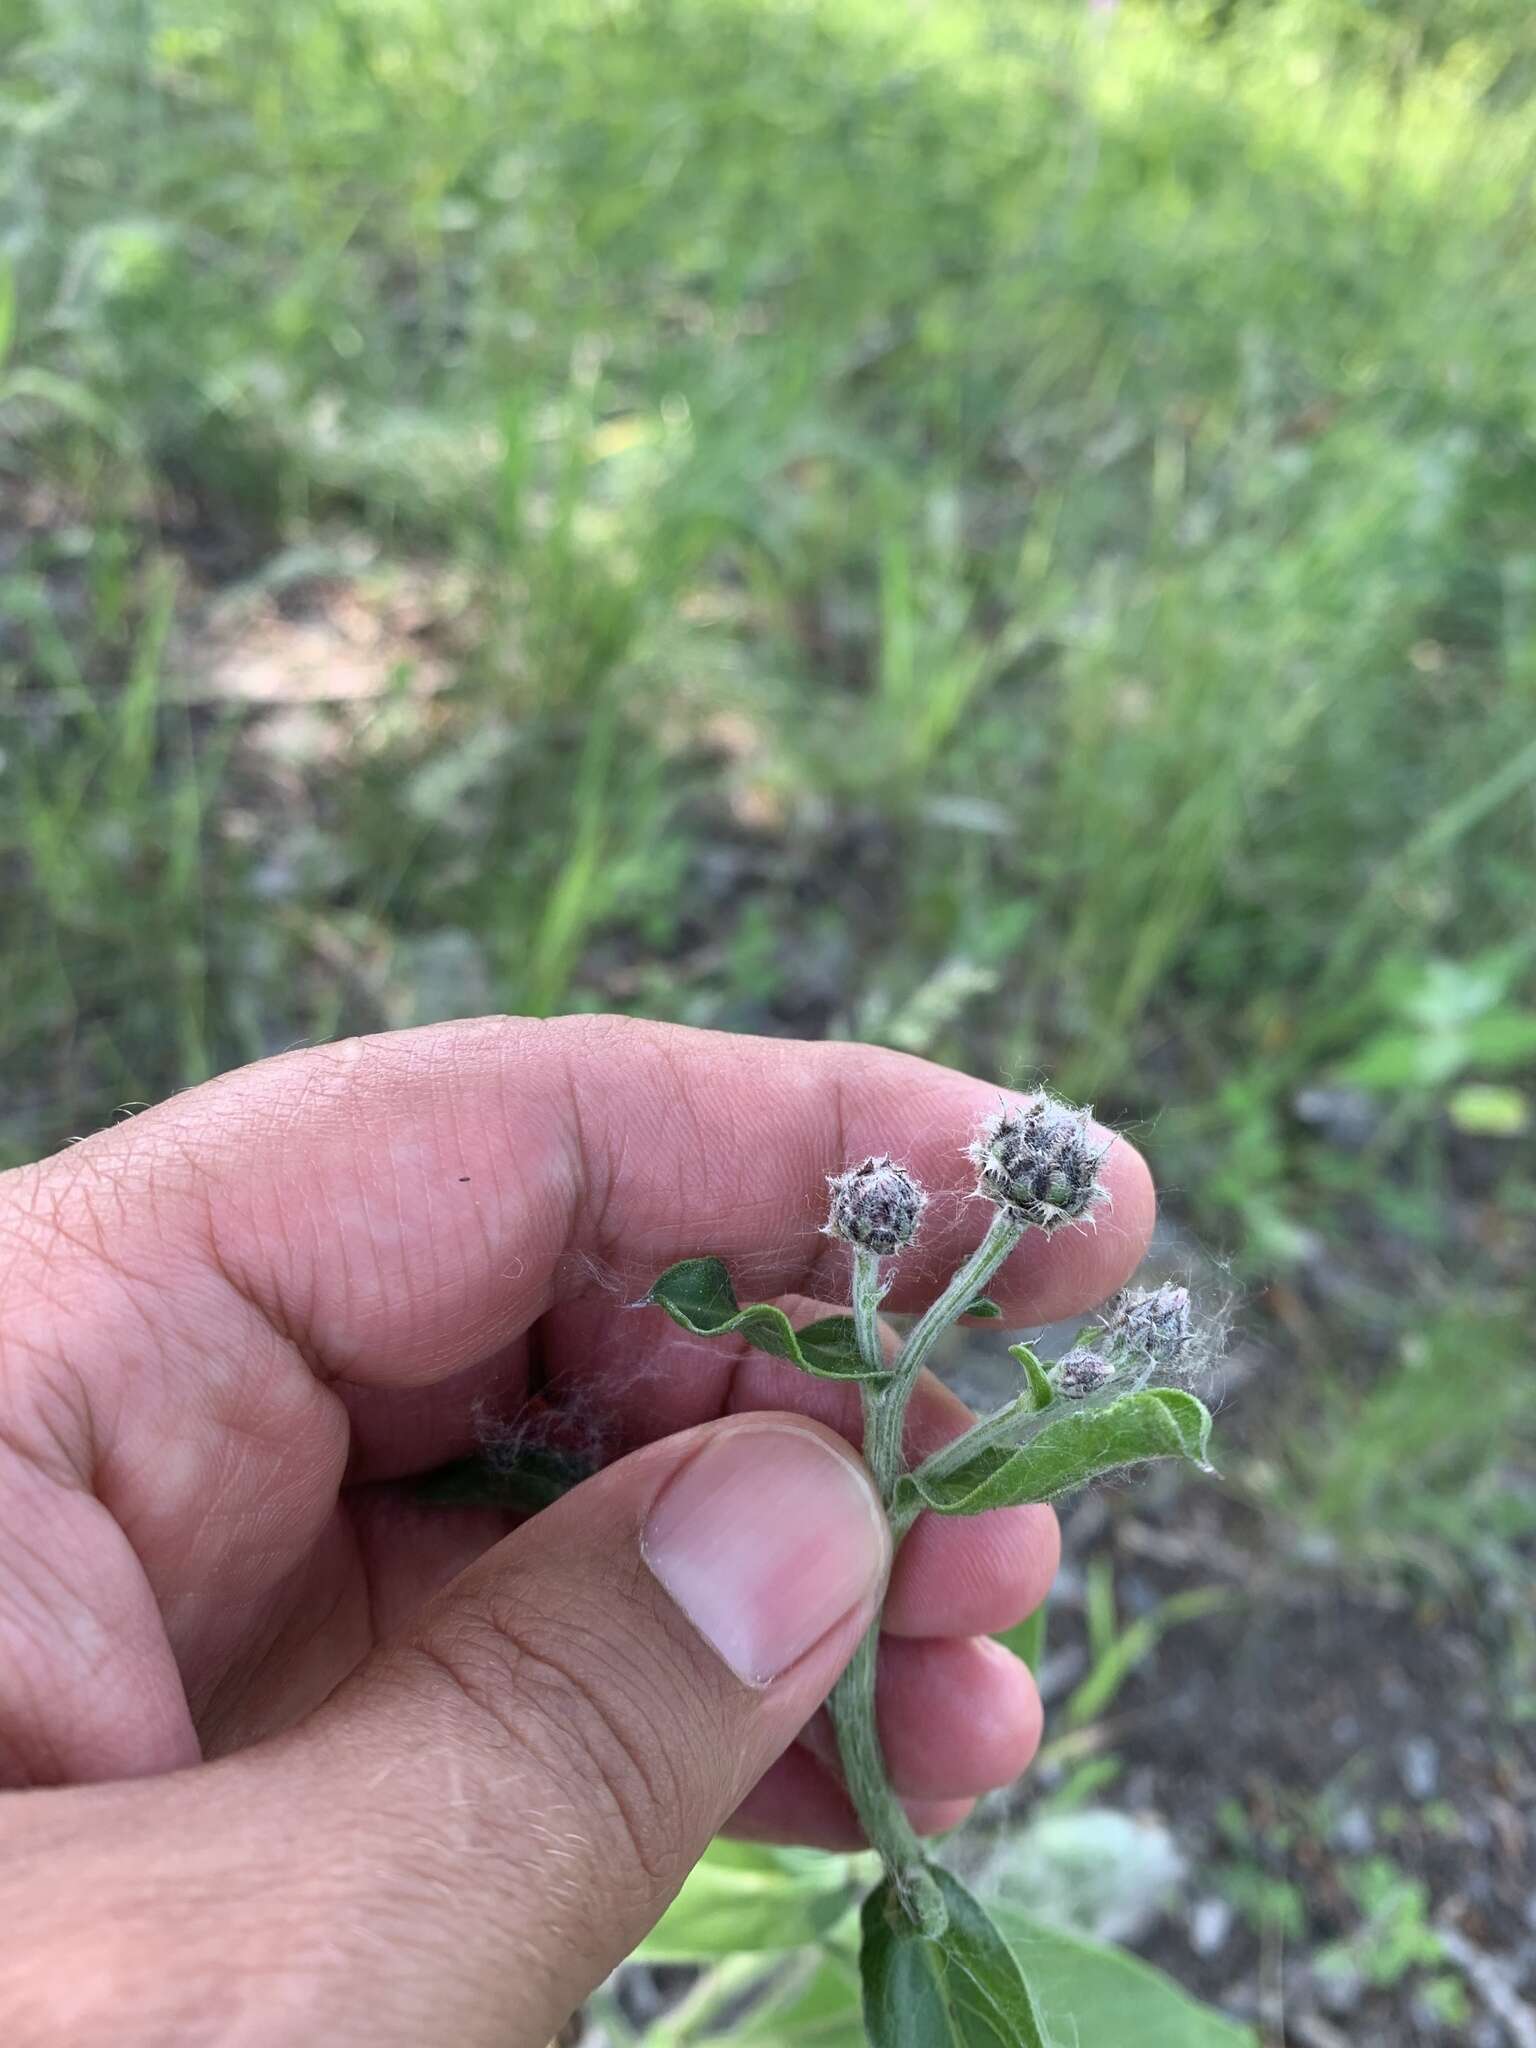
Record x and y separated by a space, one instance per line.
1026 1638
821 2011
526 1480
1103 1997
62 394
741 1898
698 1295
960 1989
1506 1039
7 308
1160 1423
1485 1109
1115 1662
1039 1379
981 1306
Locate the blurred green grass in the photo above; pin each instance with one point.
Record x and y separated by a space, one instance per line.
1003 530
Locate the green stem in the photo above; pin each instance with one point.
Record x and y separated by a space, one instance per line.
852 1698
882 1438
867 1297
710 1997
1028 1639
852 1704
868 1294
1013 1425
881 1815
1003 1233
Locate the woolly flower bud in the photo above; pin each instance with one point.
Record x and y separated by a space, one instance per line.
1041 1162
1082 1373
876 1206
1152 1321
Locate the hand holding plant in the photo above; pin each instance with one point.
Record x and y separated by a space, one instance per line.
301 1749
934 1968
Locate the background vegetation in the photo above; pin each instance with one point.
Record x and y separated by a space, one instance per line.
1004 530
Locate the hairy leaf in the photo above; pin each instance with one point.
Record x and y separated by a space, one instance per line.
698 1295
960 1989
983 1307
1092 1993
1160 1423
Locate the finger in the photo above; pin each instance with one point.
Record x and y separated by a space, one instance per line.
957 1718
800 1802
401 1206
80 1635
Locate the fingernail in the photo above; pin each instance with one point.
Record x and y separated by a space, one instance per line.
766 1538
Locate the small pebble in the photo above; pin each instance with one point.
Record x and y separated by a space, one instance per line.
1353 1831
1339 1990
1418 1764
1210 1922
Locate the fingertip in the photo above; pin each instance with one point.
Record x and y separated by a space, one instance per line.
938 1816
973 1576
957 1718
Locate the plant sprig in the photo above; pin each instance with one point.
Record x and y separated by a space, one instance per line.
934 1968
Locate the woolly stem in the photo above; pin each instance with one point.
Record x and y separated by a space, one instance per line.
852 1705
1014 1425
867 1297
884 1419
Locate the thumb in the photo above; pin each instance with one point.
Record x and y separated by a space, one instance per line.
571 1721
487 1816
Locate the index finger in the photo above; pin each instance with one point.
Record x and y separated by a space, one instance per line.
402 1205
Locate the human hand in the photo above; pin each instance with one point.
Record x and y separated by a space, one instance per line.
310 1760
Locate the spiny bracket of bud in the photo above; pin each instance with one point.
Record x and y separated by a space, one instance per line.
1081 1373
1041 1162
876 1207
1154 1323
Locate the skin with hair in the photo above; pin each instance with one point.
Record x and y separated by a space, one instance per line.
288 1754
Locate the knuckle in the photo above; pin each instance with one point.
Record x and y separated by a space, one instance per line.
585 1710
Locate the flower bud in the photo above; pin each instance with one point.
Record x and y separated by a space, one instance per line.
1154 1322
1081 1373
1040 1161
876 1206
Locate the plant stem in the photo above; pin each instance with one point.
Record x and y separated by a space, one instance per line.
1010 1425
852 1705
882 1439
709 1997
868 1294
881 1815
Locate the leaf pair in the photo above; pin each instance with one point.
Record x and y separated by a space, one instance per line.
791 1907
